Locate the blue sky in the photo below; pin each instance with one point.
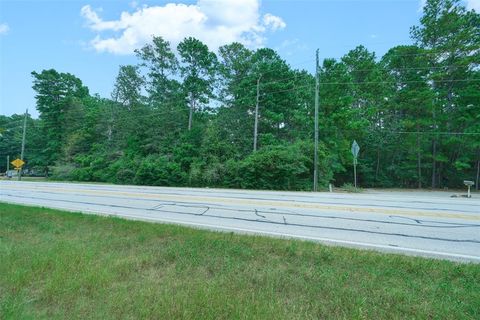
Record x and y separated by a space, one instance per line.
90 39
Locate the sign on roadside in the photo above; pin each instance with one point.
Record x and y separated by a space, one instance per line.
355 149
18 163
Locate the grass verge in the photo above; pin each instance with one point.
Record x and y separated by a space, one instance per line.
59 265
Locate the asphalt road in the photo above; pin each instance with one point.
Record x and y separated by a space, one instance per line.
417 223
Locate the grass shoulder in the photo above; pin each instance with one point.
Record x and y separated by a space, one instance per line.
59 265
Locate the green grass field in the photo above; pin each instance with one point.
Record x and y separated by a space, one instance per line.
59 265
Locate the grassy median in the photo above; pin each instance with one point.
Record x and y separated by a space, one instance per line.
59 265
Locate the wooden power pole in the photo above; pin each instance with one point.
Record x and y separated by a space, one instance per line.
23 143
317 101
255 129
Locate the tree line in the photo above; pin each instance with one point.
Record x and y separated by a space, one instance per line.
186 116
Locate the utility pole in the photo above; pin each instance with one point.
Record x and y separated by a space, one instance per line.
8 163
255 129
317 100
23 143
478 170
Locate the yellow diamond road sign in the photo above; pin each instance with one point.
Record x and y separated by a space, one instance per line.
18 163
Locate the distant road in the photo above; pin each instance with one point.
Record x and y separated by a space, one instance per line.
416 223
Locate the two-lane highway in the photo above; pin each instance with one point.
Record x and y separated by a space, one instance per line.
424 223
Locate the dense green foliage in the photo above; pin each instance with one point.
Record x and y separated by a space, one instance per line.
58 265
186 117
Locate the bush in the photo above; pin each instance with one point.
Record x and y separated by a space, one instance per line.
122 171
125 176
158 170
278 167
207 174
81 174
348 187
62 172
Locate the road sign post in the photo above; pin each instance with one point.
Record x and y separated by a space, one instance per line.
355 150
355 171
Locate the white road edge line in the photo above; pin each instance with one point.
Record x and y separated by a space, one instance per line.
391 249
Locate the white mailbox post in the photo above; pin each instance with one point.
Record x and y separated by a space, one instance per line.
469 184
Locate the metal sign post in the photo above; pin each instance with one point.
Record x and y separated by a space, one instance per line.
355 150
355 171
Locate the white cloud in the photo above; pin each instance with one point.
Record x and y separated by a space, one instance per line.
215 22
290 47
133 4
473 4
4 28
273 21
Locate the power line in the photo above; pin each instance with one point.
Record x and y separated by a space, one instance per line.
368 82
362 70
434 133
390 55
406 81
153 113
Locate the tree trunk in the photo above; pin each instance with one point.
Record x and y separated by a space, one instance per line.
109 132
190 116
378 166
440 175
111 124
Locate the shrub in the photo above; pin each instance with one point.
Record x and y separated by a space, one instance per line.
278 167
62 172
158 170
81 174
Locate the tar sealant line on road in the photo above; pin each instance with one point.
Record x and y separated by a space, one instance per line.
206 206
262 221
312 197
355 244
40 189
280 203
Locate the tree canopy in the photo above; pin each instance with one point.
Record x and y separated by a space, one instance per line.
185 116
